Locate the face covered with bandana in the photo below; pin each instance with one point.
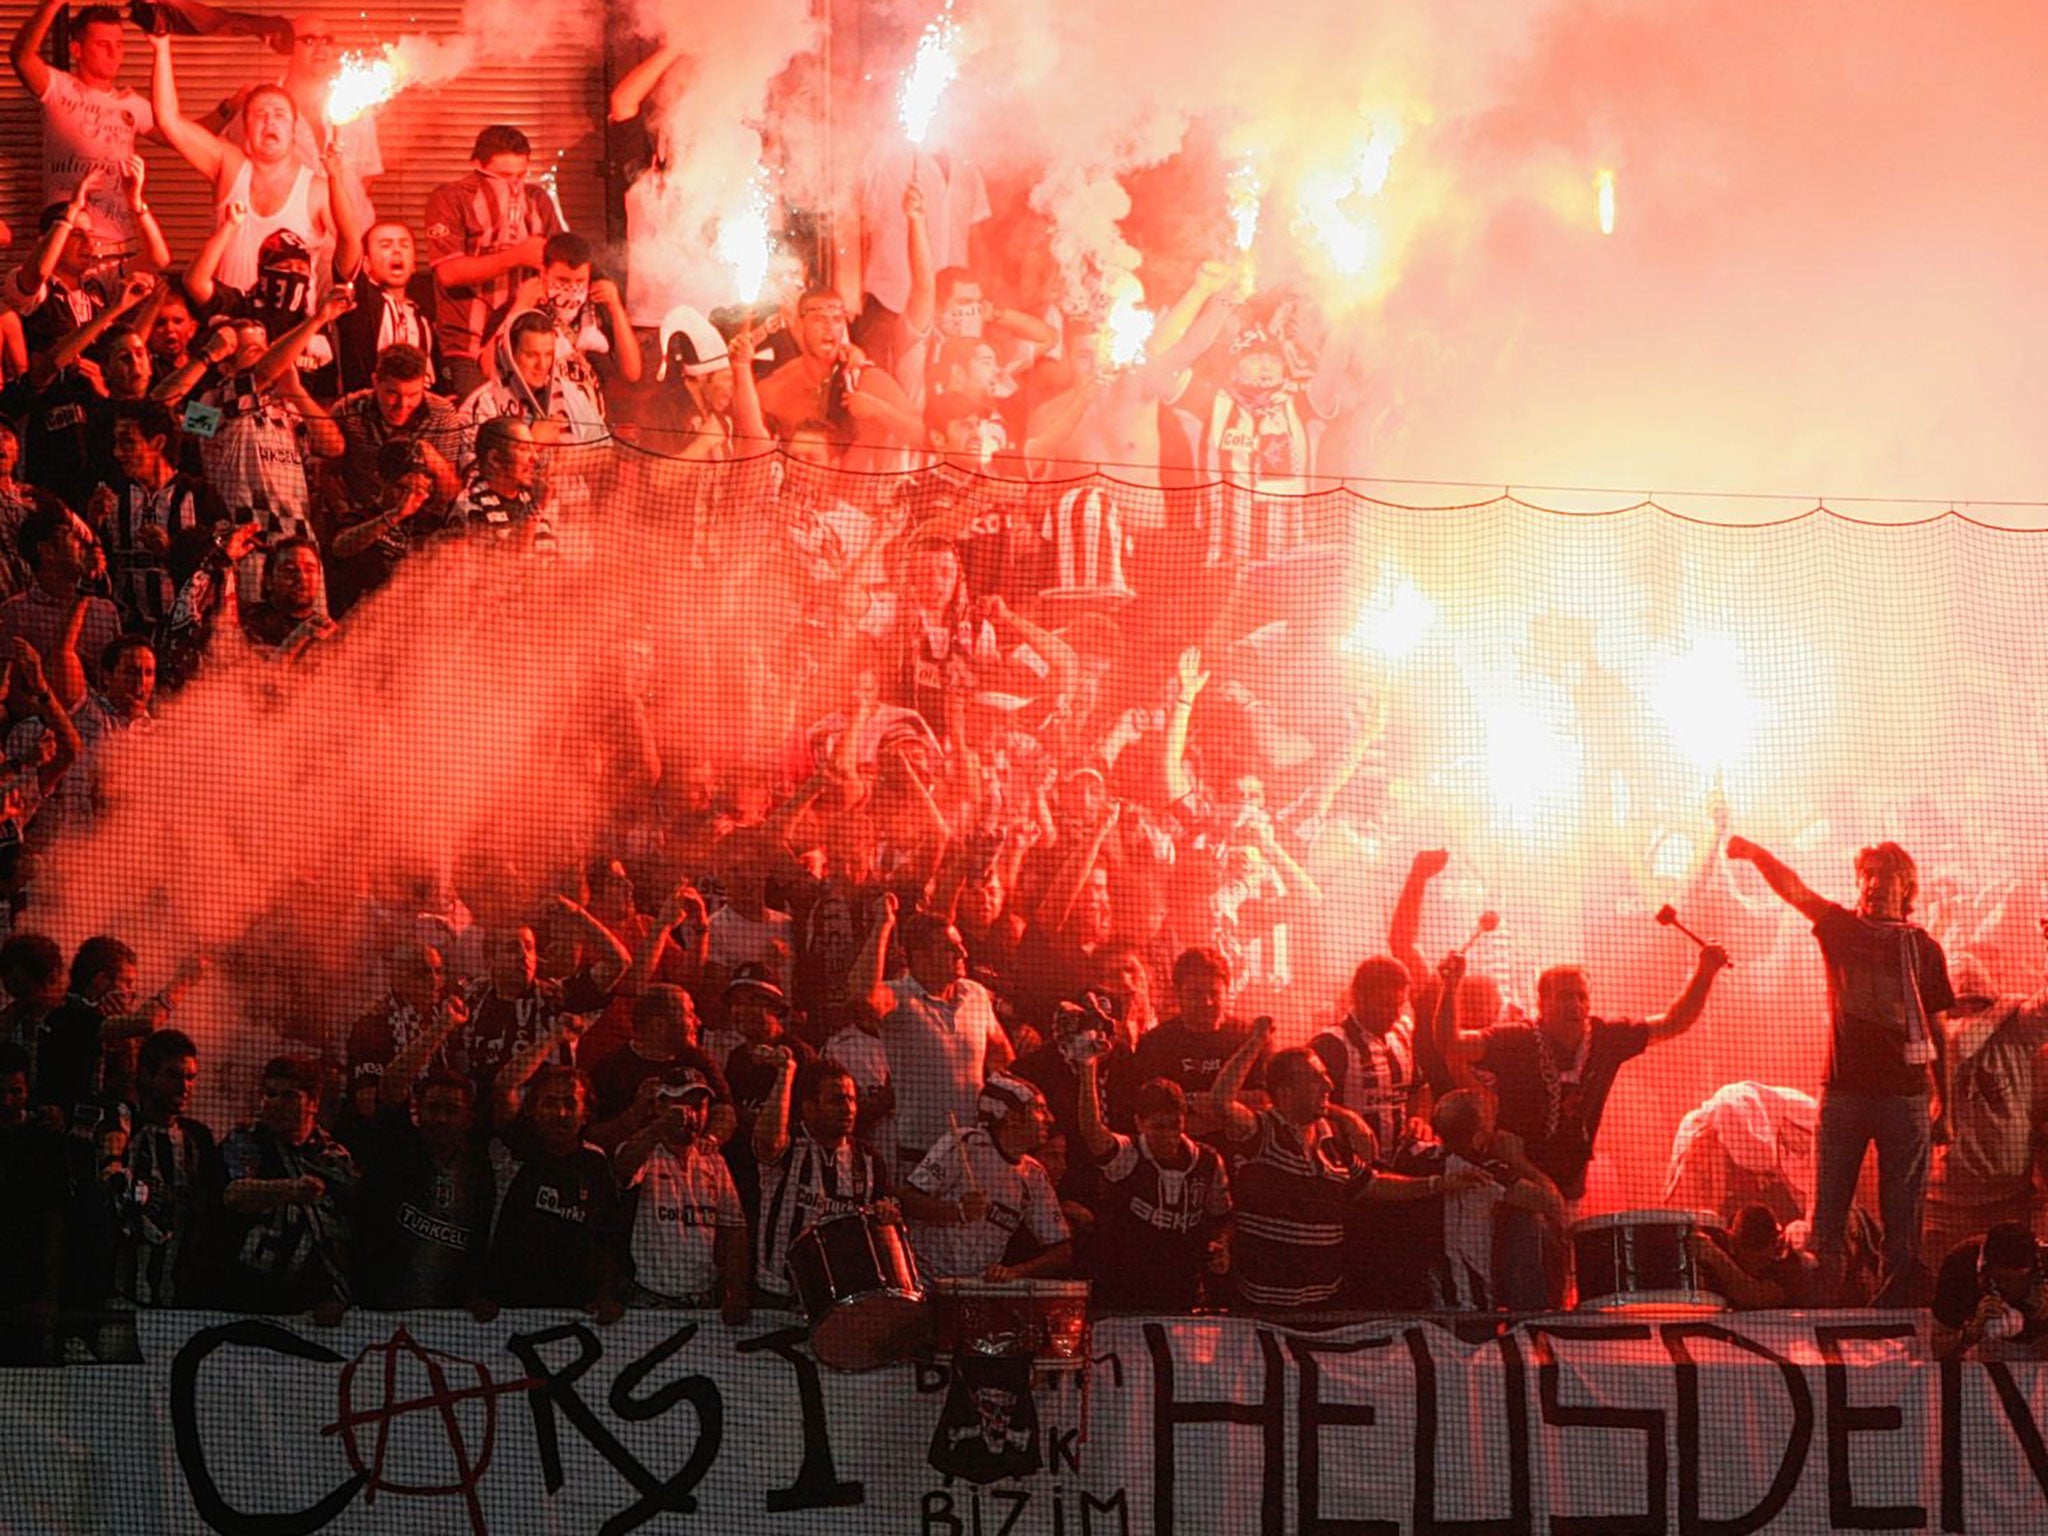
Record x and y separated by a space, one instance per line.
567 292
963 312
1258 371
284 281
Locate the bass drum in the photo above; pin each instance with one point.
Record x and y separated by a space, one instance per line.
1642 1259
858 1283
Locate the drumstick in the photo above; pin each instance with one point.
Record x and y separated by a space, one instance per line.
1488 921
966 1163
1668 916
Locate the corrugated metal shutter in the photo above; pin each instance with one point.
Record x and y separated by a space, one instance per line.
557 98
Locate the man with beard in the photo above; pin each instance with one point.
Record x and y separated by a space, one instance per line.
426 1200
293 614
1889 1072
1371 1054
165 1181
819 1172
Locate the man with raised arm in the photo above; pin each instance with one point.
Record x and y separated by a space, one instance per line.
90 122
938 1026
1553 1076
1165 1201
265 189
1888 1063
1300 1167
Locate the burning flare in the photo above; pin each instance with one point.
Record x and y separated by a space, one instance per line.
1128 325
1702 698
1332 203
1393 624
743 244
931 72
364 81
1244 191
1604 184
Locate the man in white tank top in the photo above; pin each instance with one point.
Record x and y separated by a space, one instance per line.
308 77
267 178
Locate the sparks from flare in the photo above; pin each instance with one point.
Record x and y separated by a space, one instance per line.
744 246
931 72
1244 191
1128 325
1604 185
1129 329
362 82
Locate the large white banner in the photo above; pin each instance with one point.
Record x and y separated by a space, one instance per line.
675 1423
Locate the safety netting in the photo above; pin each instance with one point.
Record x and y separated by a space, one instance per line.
764 678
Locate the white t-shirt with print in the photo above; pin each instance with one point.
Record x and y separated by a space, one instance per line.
684 1201
1020 1194
84 128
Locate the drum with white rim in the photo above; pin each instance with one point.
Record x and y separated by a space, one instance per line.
858 1282
1642 1259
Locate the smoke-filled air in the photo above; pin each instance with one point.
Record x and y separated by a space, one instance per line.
1594 252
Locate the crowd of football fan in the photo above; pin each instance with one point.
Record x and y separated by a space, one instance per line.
994 950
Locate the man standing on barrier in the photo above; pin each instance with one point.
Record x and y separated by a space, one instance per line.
1888 988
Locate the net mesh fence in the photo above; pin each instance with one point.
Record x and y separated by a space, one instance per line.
772 682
